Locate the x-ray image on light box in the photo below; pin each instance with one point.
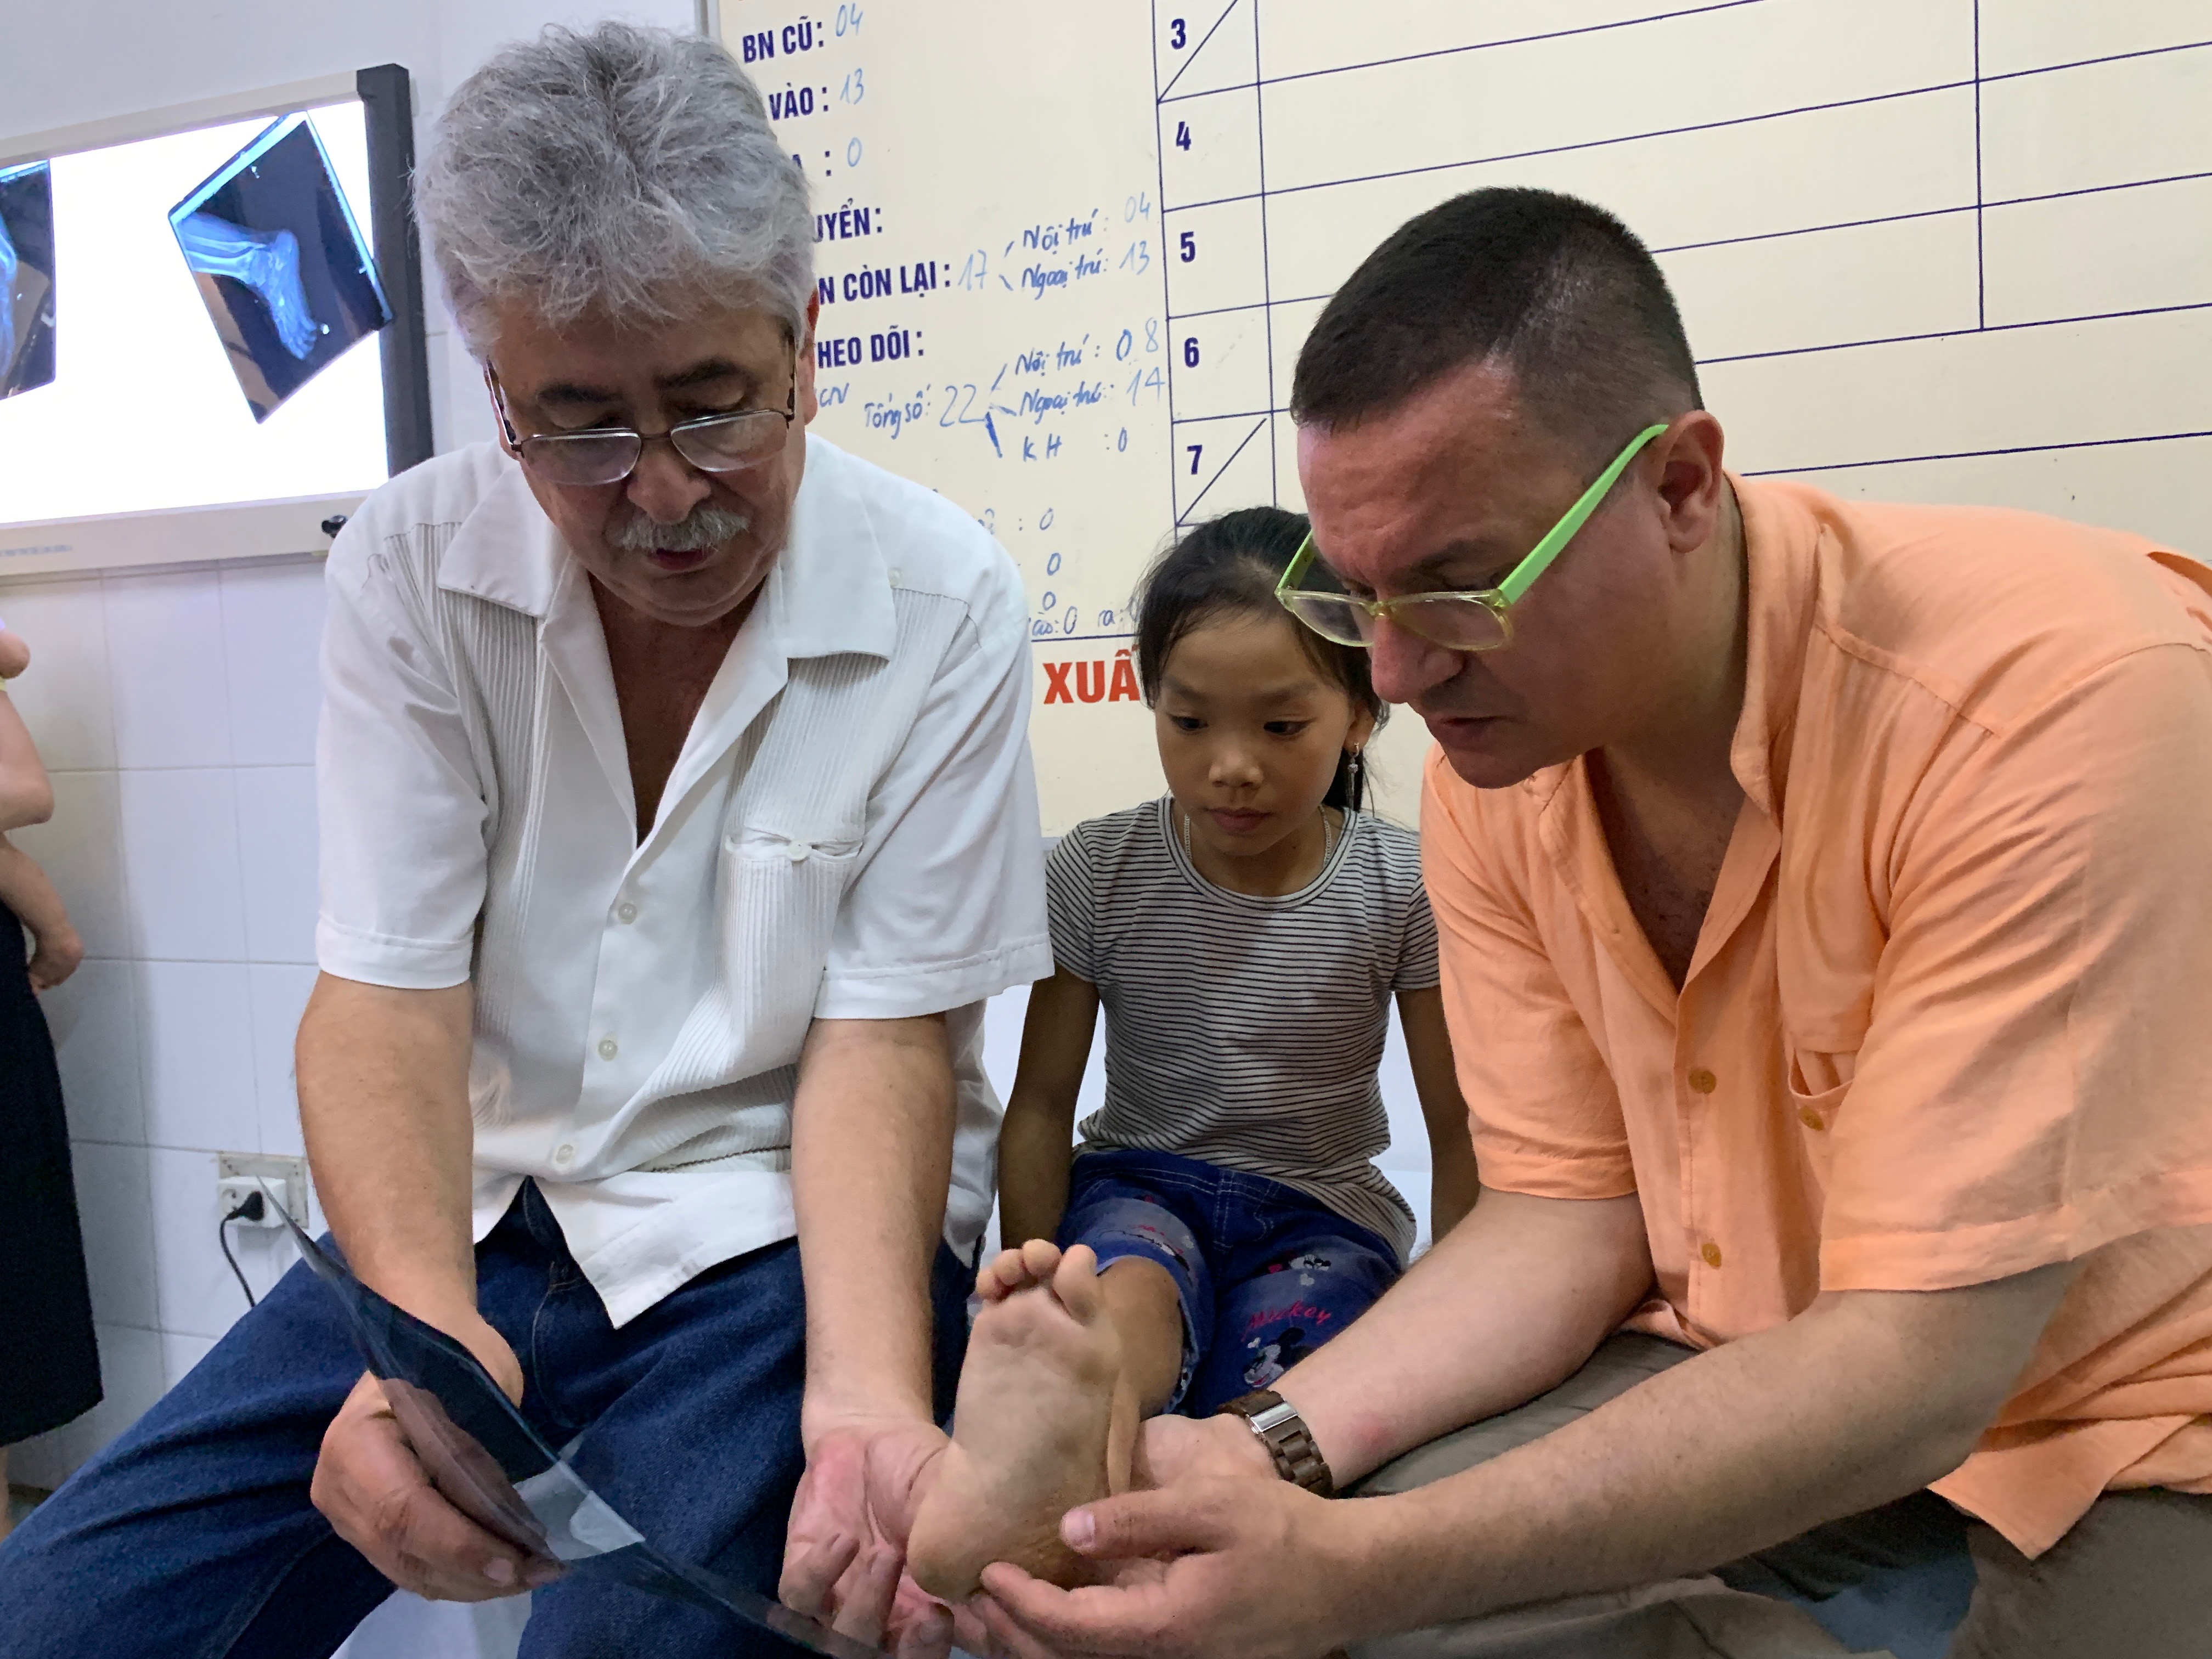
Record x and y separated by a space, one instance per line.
26 278
285 271
144 412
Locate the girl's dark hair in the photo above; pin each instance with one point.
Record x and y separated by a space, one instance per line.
1231 564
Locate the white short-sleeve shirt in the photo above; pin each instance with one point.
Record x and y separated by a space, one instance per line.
850 832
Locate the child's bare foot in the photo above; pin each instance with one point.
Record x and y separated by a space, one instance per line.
1009 1271
1033 1433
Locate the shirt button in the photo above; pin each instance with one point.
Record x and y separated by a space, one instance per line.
626 912
607 1048
564 1155
1811 1119
1702 1081
798 852
1712 1254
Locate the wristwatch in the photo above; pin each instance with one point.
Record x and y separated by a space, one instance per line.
1286 1438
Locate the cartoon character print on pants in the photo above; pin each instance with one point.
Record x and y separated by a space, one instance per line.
1275 1357
1275 1350
1158 1237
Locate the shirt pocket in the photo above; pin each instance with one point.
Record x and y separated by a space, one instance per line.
780 894
1819 1084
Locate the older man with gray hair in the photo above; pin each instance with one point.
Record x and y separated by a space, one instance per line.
678 819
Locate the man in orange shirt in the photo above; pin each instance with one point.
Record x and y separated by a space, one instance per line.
1826 937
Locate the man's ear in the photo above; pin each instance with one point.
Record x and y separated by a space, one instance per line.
1690 480
809 404
502 427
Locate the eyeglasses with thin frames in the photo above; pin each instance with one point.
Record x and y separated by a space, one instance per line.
1473 620
601 455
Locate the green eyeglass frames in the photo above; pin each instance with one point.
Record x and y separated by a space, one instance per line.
1477 621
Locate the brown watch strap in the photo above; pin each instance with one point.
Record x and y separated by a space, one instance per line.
1288 1441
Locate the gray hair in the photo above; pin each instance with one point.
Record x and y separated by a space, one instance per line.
617 170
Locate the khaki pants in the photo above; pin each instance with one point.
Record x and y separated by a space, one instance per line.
2133 1578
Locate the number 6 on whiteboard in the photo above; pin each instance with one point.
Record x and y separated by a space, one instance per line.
1190 351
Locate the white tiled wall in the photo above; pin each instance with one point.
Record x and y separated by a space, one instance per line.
176 712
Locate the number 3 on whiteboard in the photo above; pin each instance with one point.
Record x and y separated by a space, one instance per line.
1176 34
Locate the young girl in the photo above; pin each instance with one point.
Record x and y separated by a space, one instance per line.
1245 935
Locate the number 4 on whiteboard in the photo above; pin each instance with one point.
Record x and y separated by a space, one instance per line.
1183 134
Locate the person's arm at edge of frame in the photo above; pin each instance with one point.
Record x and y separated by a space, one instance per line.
1453 1181
1035 1142
26 890
26 795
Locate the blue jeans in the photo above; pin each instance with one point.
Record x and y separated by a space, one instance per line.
191 1536
1264 1273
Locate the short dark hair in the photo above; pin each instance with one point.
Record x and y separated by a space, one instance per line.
1555 288
1230 565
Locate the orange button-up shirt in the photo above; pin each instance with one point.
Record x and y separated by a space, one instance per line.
1950 1014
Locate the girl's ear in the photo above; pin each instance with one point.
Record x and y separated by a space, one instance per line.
1361 728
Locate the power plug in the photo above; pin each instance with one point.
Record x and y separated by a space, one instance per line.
241 1178
244 1203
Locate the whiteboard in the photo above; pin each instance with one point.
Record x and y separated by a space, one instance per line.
1931 250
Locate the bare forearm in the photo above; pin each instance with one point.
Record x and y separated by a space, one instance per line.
1034 1144
26 796
1454 1183
25 890
1034 1154
1454 1186
1845 1408
870 1159
1505 1307
384 1105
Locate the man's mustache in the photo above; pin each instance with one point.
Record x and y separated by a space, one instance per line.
704 527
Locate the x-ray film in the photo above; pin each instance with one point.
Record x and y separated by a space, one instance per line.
491 1464
26 278
286 275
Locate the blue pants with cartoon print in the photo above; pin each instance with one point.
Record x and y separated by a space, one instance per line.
1264 1273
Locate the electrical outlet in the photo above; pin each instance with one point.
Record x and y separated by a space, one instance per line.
239 1174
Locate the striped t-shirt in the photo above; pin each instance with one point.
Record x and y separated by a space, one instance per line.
1241 1031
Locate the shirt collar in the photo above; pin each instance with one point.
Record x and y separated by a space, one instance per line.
828 593
506 551
1781 537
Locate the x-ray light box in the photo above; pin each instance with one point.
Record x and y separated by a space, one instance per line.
211 335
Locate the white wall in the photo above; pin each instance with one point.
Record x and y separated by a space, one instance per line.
176 714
